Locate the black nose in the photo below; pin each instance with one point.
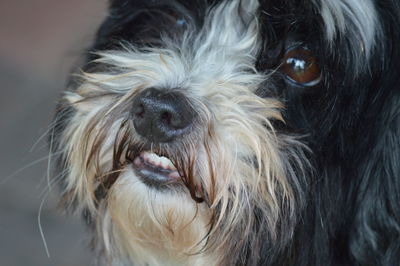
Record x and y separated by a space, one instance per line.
161 116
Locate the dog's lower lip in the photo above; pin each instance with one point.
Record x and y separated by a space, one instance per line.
154 169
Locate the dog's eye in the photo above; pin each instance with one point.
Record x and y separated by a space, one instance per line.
177 18
301 67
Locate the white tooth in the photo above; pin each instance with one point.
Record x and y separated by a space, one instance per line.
154 159
164 162
145 155
153 156
159 161
137 161
167 164
174 175
171 166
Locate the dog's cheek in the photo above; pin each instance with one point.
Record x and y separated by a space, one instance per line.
72 143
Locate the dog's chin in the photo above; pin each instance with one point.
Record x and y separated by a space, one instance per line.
155 170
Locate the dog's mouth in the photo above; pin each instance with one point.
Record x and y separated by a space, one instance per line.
154 169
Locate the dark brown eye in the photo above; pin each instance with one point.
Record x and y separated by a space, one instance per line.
177 18
301 66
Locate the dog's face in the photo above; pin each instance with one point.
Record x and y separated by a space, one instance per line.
181 138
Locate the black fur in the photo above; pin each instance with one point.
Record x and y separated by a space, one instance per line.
353 126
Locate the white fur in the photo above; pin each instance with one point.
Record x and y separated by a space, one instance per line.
356 19
215 70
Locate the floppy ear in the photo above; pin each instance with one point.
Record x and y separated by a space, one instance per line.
375 238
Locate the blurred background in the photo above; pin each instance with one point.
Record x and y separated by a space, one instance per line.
39 42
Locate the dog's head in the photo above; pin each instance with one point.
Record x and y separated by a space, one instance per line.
180 138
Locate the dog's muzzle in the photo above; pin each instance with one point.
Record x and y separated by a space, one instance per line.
161 118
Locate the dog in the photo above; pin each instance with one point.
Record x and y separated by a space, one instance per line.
237 132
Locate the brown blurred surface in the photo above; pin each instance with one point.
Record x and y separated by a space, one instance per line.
39 41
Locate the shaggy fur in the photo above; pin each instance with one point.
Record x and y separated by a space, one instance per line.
276 167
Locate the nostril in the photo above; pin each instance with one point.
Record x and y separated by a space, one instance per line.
166 117
173 120
138 110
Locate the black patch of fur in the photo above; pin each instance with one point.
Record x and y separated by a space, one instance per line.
353 126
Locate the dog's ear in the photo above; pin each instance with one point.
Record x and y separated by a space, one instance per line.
376 231
375 237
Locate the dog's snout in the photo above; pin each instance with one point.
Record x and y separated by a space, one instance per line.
161 116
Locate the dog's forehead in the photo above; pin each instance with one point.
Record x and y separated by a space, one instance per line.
341 16
317 22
